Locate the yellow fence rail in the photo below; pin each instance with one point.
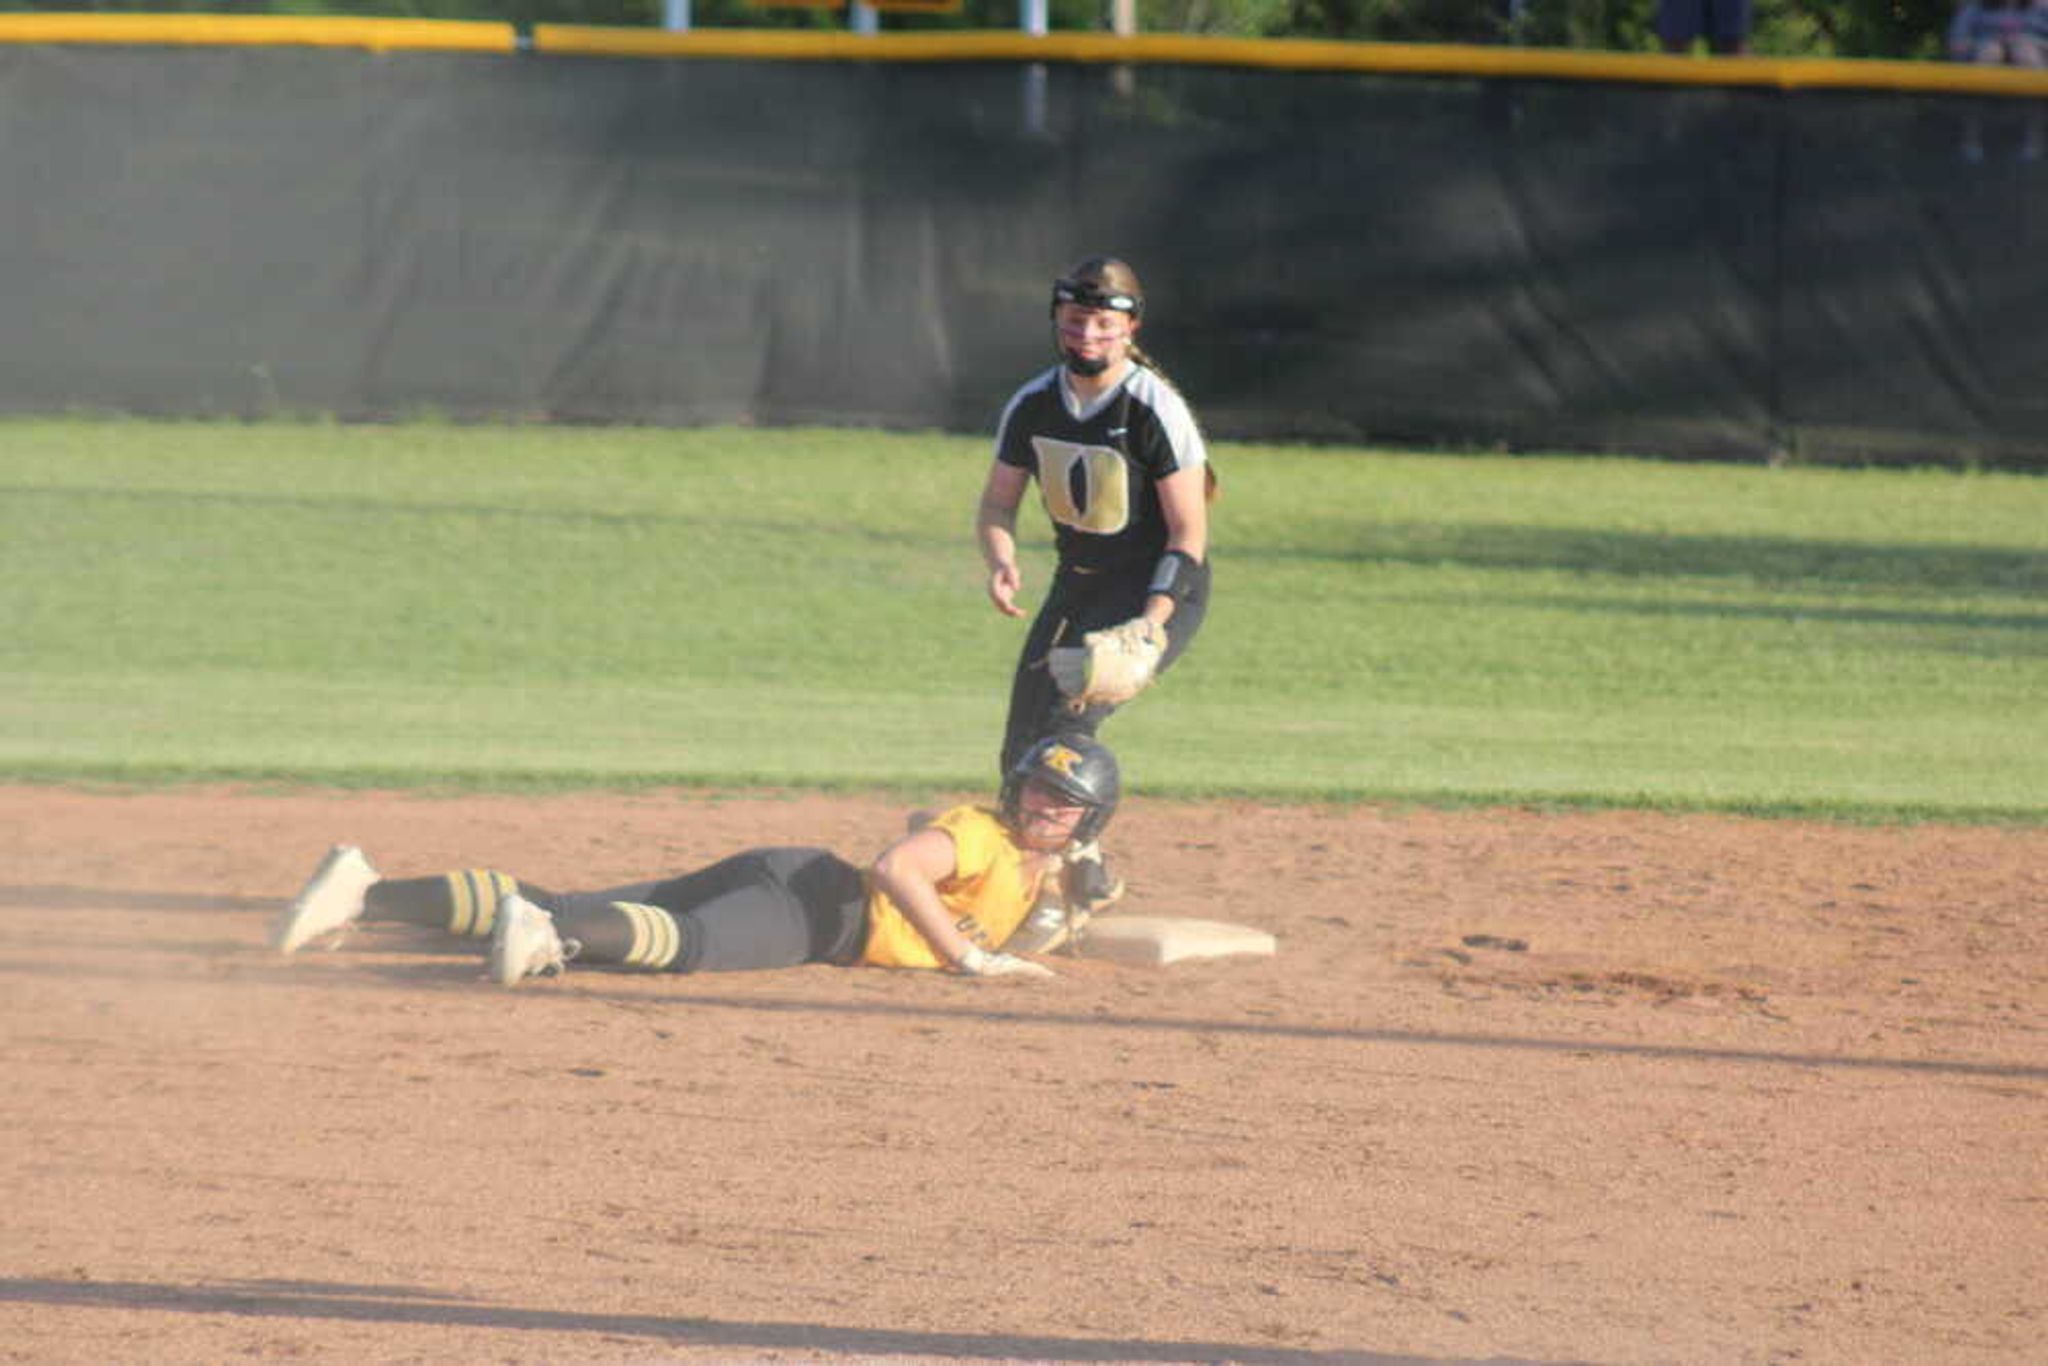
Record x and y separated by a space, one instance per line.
1421 59
259 30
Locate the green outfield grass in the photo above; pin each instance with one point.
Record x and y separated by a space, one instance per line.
433 605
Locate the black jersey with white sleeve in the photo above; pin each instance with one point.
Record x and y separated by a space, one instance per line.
1097 466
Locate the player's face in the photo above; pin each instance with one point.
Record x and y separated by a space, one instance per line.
1046 818
1095 333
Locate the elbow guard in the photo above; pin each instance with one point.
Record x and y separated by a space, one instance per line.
1175 576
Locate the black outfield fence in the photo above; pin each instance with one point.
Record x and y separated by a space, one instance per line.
370 219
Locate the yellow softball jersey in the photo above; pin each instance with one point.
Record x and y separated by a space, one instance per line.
993 886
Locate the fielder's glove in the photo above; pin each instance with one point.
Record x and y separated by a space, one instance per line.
1052 927
979 962
1109 666
1086 883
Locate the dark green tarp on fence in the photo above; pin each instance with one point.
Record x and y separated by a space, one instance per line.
1689 270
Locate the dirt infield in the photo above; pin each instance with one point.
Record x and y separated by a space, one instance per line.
1518 1086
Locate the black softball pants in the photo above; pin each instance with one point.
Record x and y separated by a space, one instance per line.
762 908
1080 602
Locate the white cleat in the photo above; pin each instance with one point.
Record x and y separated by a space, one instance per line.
524 943
331 900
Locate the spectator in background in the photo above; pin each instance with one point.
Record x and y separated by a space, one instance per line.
1723 23
2003 33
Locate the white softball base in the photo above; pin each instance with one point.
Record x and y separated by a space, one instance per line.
1156 940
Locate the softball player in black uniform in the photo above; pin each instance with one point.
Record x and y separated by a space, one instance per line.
948 895
1124 475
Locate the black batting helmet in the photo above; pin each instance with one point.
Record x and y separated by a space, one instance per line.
1080 768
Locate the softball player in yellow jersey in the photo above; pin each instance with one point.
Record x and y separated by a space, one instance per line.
948 895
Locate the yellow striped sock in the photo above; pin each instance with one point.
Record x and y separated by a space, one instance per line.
474 896
656 938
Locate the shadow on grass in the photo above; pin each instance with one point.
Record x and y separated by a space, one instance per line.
318 1300
1780 561
2030 629
736 530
